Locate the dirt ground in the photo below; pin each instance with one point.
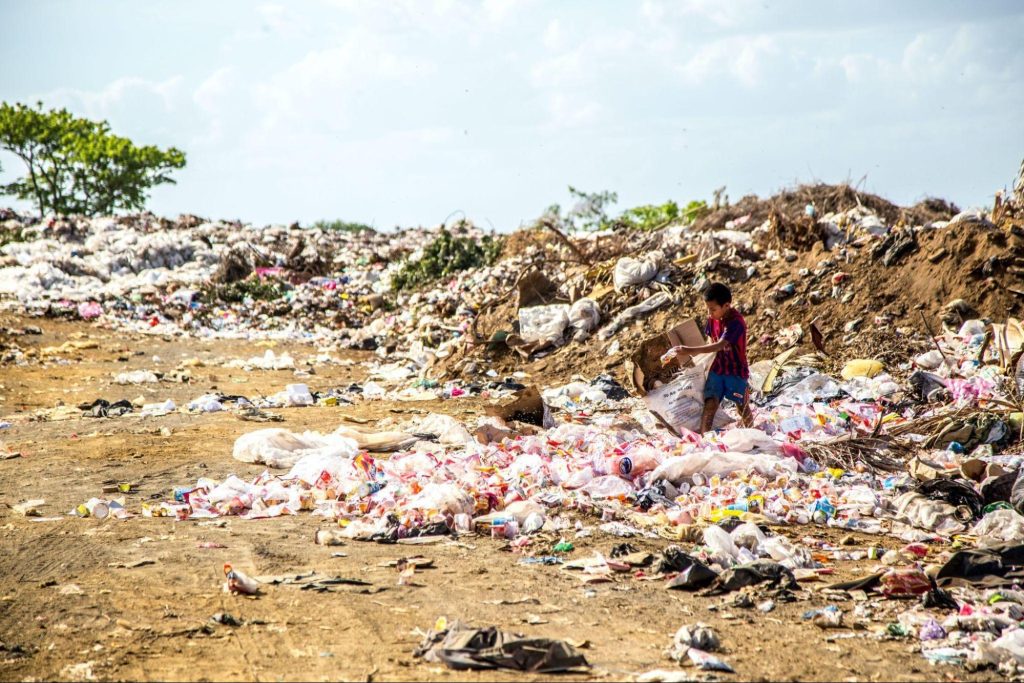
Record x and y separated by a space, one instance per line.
133 599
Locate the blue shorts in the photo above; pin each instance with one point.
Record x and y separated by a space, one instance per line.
725 387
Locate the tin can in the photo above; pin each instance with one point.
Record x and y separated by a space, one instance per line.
94 507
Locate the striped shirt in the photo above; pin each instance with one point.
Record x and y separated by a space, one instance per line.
731 360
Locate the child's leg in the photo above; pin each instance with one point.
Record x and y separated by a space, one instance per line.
746 417
707 418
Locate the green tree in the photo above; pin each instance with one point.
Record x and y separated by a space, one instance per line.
77 166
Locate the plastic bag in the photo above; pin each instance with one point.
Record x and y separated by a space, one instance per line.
313 465
157 409
608 486
208 403
633 312
904 582
448 430
584 317
680 403
748 535
783 551
925 513
136 377
999 526
812 388
630 272
681 467
281 448
750 441
544 323
861 367
444 499
722 547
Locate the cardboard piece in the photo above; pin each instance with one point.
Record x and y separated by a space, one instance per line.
527 406
646 360
536 289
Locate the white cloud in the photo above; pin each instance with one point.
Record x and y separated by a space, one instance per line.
742 58
118 92
568 112
211 92
554 35
716 12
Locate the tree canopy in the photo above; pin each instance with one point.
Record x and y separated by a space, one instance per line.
78 166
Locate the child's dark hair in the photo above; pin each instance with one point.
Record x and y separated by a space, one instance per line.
718 293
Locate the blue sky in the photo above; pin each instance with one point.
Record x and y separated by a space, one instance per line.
404 111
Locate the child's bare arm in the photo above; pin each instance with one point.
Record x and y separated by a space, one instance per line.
713 347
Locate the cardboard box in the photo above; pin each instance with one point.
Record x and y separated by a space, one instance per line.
646 360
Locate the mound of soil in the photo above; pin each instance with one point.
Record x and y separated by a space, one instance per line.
876 310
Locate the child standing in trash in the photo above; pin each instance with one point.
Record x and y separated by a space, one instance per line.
729 371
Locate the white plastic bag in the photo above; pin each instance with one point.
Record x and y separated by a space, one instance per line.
681 467
680 403
281 448
750 441
748 535
628 315
448 430
584 317
544 323
924 513
999 526
722 547
444 499
631 272
136 377
608 486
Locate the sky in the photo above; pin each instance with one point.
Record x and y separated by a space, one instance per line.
409 112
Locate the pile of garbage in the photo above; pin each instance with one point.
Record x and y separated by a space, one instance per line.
824 262
931 461
918 440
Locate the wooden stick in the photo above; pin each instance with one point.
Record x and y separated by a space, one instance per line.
931 333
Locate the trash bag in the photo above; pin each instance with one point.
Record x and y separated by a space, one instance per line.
631 272
611 388
996 566
446 499
461 647
752 574
1017 492
744 440
681 467
927 386
446 429
954 492
922 512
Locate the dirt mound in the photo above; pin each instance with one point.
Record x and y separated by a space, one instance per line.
791 205
869 297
